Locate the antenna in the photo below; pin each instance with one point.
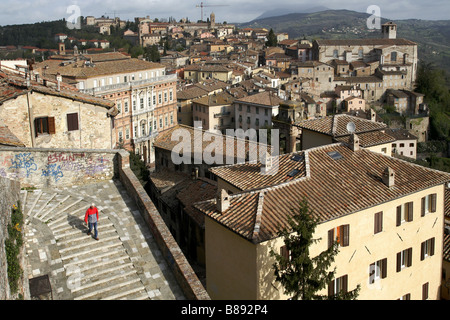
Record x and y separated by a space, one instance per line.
351 127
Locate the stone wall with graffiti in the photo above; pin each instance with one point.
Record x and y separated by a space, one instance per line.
43 168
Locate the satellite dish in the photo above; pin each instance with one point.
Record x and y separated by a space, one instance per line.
351 127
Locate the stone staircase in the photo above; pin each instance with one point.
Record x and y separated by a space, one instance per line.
81 267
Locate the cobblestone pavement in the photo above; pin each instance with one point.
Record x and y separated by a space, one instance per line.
125 263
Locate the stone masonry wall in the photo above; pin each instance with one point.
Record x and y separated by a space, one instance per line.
48 168
9 196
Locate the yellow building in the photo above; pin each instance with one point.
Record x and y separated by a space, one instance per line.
389 214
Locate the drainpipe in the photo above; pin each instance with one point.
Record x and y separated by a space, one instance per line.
31 120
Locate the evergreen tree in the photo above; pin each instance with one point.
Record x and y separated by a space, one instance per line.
301 276
271 39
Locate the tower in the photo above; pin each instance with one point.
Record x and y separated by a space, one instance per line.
212 20
389 30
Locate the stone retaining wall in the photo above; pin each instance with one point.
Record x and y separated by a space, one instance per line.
185 275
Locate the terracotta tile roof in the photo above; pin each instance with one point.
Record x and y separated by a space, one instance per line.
369 139
78 70
8 138
336 125
164 141
446 251
191 92
400 134
249 176
12 86
265 98
367 42
333 188
216 99
447 203
199 190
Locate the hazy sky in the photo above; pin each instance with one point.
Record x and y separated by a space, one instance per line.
31 11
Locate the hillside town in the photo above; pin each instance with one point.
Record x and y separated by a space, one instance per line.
345 123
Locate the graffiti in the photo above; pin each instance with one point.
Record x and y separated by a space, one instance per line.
52 170
2 173
24 161
61 157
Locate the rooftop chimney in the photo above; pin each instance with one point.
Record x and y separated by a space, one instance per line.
354 142
389 177
222 201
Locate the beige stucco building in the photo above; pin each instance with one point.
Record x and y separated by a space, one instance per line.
368 208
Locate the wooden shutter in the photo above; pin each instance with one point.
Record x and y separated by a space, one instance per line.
345 234
36 127
284 252
378 222
409 217
433 202
330 238
344 283
422 251
431 246
399 215
51 125
422 212
425 291
384 268
72 121
399 261
331 288
409 261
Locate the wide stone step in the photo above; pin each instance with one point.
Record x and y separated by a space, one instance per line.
114 286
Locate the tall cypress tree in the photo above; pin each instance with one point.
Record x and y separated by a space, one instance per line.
271 39
302 276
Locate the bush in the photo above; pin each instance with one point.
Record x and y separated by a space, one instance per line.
12 247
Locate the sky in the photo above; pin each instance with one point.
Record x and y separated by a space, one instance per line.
232 11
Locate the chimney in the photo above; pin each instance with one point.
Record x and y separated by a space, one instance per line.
266 163
195 173
58 79
222 201
389 177
354 142
373 115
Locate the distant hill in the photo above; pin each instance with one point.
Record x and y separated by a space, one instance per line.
284 11
432 37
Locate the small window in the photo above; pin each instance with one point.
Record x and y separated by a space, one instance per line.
378 222
425 291
340 234
404 259
404 213
338 285
44 125
72 121
427 249
428 204
378 270
335 155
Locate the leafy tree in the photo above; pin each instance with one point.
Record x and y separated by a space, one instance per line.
152 53
303 276
271 39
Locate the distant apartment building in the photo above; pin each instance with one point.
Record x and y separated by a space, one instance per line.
256 111
364 200
144 94
214 112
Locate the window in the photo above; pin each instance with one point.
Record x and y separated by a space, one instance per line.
143 129
127 133
44 125
427 249
340 234
406 297
154 99
125 106
404 213
335 54
120 137
378 222
266 112
394 56
338 285
240 107
170 95
72 121
404 259
159 98
119 106
428 204
284 252
142 103
378 270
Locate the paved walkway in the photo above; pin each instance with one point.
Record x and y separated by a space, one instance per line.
124 264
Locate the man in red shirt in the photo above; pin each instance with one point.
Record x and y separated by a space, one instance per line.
91 218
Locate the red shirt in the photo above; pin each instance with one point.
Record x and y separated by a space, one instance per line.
90 211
